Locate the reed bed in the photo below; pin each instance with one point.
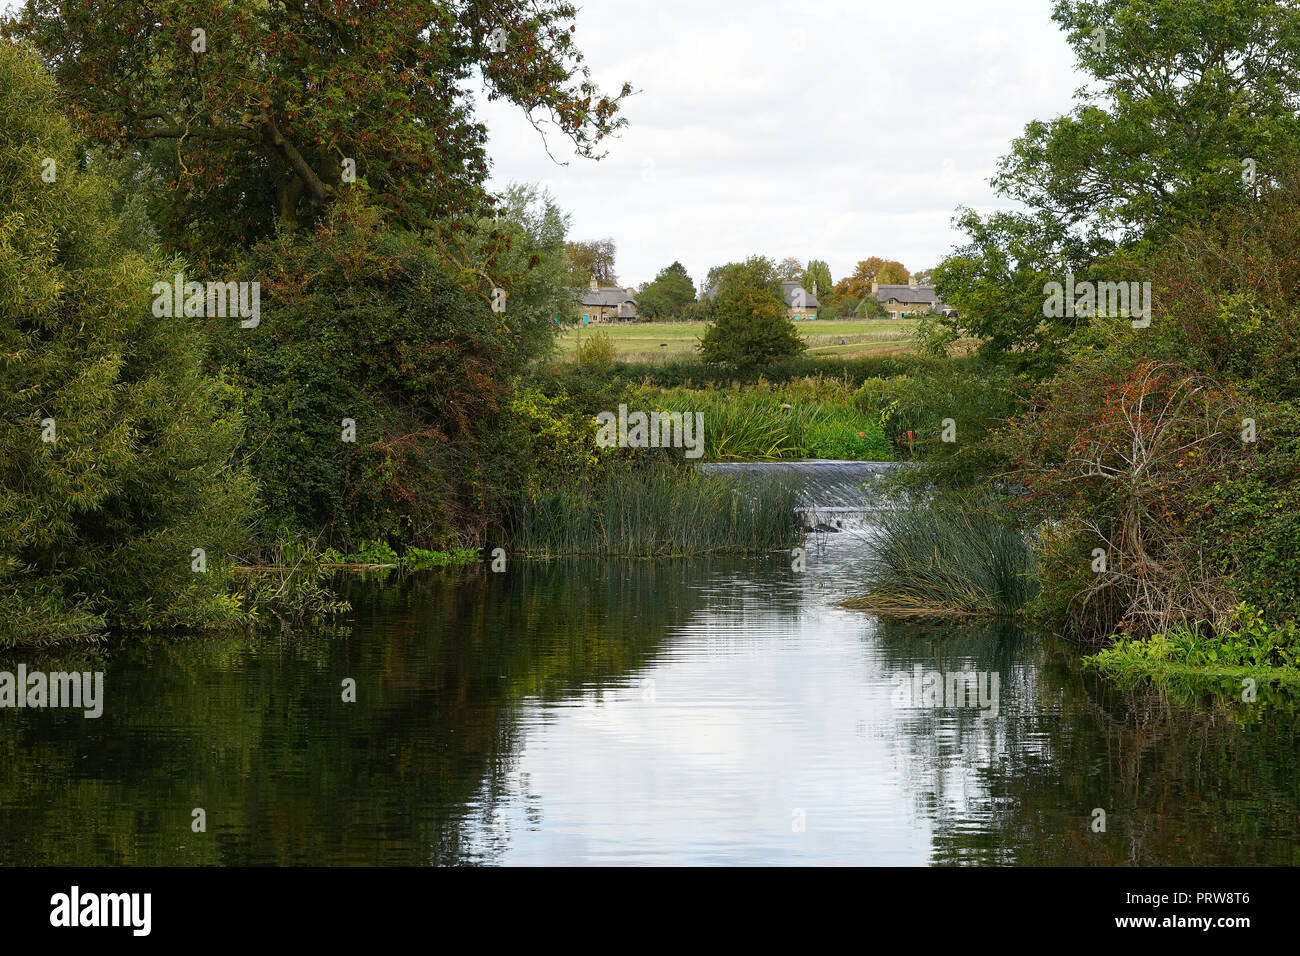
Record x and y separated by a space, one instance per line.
659 512
951 555
803 420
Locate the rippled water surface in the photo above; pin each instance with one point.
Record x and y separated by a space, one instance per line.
710 711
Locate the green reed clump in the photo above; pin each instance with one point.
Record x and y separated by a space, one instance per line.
953 554
658 512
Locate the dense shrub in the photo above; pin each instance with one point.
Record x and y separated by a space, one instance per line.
115 452
1114 455
1247 644
1176 447
597 351
976 399
557 442
1247 520
363 323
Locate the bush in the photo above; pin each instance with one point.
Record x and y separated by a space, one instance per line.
1245 645
363 323
844 444
597 351
1248 517
1115 454
554 439
1137 446
912 408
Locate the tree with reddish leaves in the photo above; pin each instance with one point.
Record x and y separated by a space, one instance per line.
260 112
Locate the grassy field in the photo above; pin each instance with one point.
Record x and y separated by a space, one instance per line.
655 341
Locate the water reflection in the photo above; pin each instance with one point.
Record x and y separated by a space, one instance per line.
721 711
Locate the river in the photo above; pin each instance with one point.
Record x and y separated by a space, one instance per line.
711 711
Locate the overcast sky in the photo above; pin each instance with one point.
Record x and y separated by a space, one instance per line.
829 129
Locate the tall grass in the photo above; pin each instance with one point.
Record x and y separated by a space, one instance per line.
954 554
813 418
659 512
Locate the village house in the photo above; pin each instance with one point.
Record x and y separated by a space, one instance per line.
800 303
900 301
594 304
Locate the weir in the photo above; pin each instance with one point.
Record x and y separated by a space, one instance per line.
833 495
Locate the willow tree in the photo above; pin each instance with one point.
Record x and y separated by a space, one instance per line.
118 495
261 111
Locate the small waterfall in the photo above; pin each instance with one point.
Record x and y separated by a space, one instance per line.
832 495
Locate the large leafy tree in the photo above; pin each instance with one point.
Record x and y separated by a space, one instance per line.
258 111
712 280
591 259
371 326
996 281
1183 95
116 453
750 327
668 294
817 278
1192 112
789 269
858 285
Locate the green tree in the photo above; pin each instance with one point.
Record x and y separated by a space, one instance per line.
751 326
522 251
260 111
371 326
700 310
869 308
817 278
712 280
669 293
1183 95
996 282
116 463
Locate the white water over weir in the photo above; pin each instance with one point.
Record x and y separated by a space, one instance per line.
832 495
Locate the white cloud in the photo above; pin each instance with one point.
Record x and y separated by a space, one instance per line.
829 130
834 129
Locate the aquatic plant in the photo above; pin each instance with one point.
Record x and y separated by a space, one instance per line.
956 553
658 512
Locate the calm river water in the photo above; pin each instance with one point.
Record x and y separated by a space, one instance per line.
701 712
